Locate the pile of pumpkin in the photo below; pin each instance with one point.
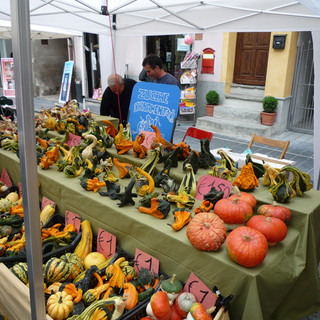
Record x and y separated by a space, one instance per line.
247 244
85 285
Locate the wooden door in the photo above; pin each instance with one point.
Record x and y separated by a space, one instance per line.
251 58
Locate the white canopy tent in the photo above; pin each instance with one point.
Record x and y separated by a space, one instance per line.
136 17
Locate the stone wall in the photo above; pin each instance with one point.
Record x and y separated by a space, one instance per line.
48 63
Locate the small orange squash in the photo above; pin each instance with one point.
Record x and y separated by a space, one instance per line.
59 305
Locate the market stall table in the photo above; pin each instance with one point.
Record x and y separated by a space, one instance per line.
285 286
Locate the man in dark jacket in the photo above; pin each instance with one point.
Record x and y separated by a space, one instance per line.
109 104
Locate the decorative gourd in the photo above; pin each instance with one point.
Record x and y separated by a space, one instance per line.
124 168
184 302
59 305
93 258
138 149
181 217
159 140
246 246
50 122
159 307
145 184
275 210
199 312
87 153
206 231
274 229
233 212
246 196
56 270
20 270
246 180
175 315
84 247
129 272
188 183
130 296
110 129
282 190
172 287
75 264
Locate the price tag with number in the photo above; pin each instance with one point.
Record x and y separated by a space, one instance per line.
73 140
206 182
74 219
45 201
5 178
144 260
202 293
106 243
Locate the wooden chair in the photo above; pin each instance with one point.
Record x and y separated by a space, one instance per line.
197 134
270 142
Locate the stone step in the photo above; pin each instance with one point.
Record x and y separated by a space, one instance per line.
245 92
233 127
236 110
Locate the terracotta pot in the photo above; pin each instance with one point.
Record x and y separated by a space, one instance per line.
210 109
268 118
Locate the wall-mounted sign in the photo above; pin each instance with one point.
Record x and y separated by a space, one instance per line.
7 75
181 45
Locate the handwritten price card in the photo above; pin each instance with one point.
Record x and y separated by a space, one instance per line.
5 178
74 219
206 182
73 140
202 293
45 202
144 260
106 243
20 189
149 137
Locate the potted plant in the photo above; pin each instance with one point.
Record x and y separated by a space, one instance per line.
268 115
212 98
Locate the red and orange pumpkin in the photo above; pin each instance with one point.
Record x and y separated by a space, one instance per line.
275 210
246 196
234 212
206 231
274 229
246 246
159 306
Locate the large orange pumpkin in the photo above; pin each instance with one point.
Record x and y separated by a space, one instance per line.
275 210
274 229
233 212
246 196
206 231
247 246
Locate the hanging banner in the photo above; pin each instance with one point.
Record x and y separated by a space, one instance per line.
153 104
7 76
66 82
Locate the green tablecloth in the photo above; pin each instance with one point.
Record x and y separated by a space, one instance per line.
285 286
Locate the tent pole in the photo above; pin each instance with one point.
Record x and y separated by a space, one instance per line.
21 43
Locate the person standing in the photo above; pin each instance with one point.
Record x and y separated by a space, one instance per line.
153 66
117 86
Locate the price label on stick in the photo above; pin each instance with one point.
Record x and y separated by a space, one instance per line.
45 201
73 140
106 243
206 182
74 219
144 260
5 178
202 293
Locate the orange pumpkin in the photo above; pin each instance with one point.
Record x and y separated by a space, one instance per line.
233 212
274 229
59 305
246 246
206 231
246 196
275 210
160 306
184 302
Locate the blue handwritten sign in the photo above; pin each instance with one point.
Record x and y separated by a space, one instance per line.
153 104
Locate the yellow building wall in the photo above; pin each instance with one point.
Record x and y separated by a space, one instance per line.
280 69
228 58
281 64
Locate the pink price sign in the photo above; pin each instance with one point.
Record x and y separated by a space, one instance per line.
74 219
202 293
45 201
5 178
206 182
73 140
149 137
106 243
145 260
